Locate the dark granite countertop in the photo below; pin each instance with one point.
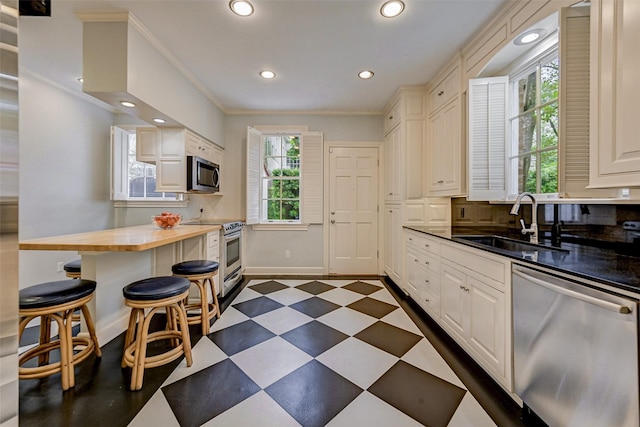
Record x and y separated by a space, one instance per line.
617 265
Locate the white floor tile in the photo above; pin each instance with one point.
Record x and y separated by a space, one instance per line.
289 296
384 296
258 410
400 319
282 320
271 360
245 295
367 410
230 317
425 357
348 321
341 296
205 353
357 361
156 412
470 413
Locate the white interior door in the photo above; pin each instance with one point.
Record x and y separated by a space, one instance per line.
353 210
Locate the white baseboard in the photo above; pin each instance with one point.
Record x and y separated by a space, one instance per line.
112 330
285 271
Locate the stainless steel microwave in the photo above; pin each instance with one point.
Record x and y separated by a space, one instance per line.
203 176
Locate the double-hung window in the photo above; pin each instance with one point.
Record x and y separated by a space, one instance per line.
284 176
132 181
534 128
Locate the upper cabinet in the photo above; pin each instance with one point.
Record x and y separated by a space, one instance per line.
167 148
445 172
404 125
615 59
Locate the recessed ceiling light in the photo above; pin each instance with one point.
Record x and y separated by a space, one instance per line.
392 8
159 120
127 104
530 36
241 7
266 74
366 74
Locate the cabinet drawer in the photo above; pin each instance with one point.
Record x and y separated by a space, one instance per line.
421 242
429 262
200 149
475 262
430 302
392 117
447 89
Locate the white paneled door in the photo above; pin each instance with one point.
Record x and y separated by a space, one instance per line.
353 210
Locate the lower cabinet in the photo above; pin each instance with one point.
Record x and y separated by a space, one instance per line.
393 242
467 292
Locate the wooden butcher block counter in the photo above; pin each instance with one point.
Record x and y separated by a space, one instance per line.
116 257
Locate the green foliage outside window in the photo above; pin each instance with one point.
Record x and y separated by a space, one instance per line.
283 183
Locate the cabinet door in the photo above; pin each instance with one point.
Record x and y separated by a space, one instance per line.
393 250
392 166
453 302
445 151
147 143
615 59
412 274
487 324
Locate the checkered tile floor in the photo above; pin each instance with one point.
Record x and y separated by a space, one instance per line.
313 353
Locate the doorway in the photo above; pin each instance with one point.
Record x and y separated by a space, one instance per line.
353 210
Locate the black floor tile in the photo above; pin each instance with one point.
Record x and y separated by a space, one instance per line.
237 338
257 306
389 338
314 338
313 394
315 287
315 307
199 397
268 287
424 397
362 287
372 307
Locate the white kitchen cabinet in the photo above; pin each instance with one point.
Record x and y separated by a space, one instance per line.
392 166
213 254
615 59
423 271
474 292
404 145
167 148
445 161
393 252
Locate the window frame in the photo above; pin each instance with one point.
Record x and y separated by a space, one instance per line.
119 192
524 69
311 177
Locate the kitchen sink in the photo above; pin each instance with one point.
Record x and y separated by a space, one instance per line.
506 244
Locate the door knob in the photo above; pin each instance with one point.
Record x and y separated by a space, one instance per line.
333 221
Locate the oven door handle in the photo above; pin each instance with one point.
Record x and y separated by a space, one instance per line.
618 308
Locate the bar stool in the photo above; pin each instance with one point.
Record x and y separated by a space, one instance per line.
200 272
72 269
168 293
57 301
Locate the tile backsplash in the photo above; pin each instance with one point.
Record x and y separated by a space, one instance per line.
596 221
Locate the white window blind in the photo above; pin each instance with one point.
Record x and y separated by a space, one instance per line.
488 103
254 160
119 183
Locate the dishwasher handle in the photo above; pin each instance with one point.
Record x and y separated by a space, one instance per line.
618 308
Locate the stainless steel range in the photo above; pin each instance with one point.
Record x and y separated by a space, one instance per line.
230 269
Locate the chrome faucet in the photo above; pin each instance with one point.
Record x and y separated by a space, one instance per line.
532 231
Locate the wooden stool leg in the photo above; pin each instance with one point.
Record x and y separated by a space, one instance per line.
215 295
92 330
131 332
204 307
184 328
137 372
45 337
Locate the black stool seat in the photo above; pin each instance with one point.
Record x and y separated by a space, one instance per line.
155 288
55 293
187 268
73 266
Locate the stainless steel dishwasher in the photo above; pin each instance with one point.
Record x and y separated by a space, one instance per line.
575 351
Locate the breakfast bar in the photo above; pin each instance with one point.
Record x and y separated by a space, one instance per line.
119 256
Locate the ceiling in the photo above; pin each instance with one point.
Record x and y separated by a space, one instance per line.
315 47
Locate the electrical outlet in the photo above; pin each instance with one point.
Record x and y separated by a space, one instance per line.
60 266
287 253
